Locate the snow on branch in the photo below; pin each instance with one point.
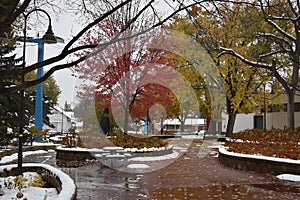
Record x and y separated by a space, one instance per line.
243 59
272 53
281 30
275 38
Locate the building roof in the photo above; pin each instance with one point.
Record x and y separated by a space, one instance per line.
68 114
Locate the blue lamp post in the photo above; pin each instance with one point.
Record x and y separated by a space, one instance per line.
47 38
38 116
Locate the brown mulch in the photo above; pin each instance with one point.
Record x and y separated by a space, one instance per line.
280 150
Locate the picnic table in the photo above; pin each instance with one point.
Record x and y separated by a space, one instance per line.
113 156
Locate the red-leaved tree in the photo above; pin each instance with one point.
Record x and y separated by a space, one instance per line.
128 74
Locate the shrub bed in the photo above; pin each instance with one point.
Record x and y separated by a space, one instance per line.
129 141
117 138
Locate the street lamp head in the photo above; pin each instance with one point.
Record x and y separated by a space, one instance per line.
49 37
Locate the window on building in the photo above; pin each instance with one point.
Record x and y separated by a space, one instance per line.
297 107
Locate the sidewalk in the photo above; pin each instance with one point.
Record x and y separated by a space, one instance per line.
196 174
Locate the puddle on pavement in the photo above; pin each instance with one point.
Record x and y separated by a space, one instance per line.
95 182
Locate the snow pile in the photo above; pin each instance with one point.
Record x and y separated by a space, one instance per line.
79 149
155 158
44 144
147 149
138 166
289 177
106 148
223 150
7 159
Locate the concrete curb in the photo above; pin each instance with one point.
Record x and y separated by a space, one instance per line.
260 164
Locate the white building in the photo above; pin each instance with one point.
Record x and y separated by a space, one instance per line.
274 119
62 120
191 124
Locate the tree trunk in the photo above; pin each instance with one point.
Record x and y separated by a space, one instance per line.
291 109
231 117
126 119
230 123
182 122
161 126
182 126
3 132
212 127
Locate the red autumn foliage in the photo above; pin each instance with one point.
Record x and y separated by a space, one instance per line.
195 10
151 95
130 76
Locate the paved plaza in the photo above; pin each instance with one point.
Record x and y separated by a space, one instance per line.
195 174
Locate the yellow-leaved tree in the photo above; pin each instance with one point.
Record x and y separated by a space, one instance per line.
230 26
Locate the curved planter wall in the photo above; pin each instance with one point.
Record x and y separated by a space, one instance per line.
71 154
64 185
260 164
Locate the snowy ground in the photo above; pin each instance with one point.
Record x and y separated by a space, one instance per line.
155 158
289 177
7 159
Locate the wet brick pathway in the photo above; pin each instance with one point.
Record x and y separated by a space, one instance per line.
196 174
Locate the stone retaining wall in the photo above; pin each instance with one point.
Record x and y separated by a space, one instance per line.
259 165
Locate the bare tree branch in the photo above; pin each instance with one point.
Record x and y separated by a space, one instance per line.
66 51
271 67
